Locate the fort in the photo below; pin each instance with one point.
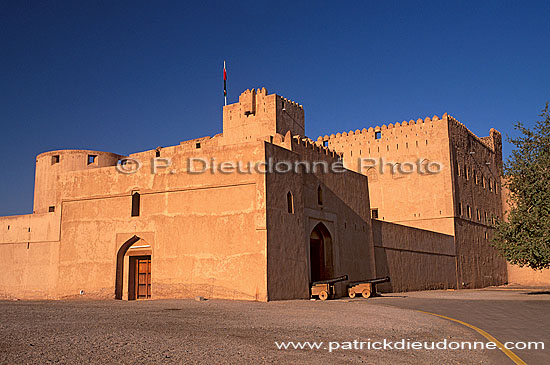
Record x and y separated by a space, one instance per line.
97 232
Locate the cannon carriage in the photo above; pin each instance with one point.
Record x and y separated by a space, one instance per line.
366 288
324 289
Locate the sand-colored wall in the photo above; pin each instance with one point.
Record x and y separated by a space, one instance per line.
207 231
287 260
477 167
29 270
476 175
462 200
344 213
30 228
29 247
50 164
479 264
406 199
414 259
258 114
526 276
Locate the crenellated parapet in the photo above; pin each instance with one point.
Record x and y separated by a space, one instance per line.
258 115
305 146
371 131
377 132
485 141
290 102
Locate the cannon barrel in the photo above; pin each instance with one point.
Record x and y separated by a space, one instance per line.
372 281
380 280
331 281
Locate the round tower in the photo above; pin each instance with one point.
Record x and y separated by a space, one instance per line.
49 165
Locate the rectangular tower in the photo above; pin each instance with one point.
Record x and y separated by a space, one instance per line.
258 115
437 175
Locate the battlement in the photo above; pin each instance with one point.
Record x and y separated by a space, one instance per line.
433 121
262 92
293 103
371 130
305 146
488 141
259 114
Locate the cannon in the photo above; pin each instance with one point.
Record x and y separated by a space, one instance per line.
324 289
367 288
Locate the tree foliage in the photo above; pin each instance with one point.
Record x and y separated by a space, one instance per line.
524 237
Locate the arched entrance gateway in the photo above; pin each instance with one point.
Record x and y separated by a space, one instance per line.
133 267
320 253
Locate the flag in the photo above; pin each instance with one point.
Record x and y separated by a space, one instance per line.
224 83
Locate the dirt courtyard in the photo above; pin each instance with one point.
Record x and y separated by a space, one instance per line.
218 331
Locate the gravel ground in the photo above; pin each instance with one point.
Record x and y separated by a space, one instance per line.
218 331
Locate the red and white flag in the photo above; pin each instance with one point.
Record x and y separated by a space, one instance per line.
224 83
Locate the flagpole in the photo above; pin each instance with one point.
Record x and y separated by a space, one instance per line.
224 84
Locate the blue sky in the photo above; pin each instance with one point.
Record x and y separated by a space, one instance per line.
129 76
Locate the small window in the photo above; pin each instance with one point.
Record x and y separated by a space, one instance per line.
55 159
290 202
478 215
469 211
458 169
460 209
51 209
91 159
135 204
319 196
374 213
198 145
157 153
377 135
325 143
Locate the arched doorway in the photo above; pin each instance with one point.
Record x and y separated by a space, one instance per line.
320 253
133 266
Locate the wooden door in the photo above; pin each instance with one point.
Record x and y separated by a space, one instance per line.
317 261
143 277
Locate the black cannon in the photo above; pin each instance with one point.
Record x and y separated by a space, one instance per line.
367 288
324 289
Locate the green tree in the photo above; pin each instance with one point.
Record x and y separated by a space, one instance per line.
523 238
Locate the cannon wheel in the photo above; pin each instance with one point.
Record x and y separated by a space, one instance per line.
351 293
366 293
323 295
